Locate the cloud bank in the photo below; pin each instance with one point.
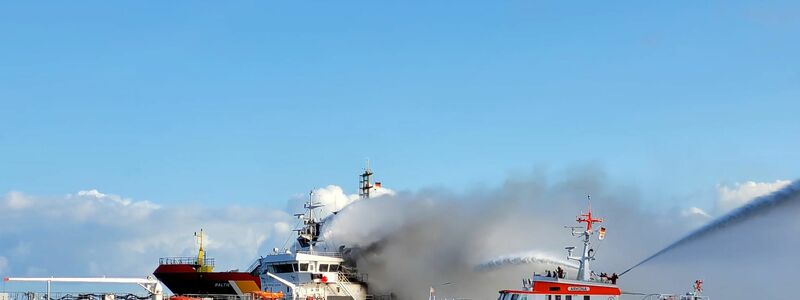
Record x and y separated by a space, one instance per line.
99 234
731 197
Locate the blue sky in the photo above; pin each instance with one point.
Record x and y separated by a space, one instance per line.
254 102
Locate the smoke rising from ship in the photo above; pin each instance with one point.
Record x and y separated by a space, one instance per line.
409 241
758 207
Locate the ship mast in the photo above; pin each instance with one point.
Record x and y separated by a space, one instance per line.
308 235
365 184
201 254
584 273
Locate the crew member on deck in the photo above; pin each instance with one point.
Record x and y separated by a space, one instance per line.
613 278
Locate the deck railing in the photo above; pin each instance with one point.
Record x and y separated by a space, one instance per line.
184 260
71 296
322 253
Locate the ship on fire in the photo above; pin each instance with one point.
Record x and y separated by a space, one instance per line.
308 270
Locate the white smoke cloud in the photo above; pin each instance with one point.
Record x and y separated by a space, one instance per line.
96 234
731 197
333 198
441 237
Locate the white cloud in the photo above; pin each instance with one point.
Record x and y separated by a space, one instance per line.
105 234
731 197
333 198
93 198
282 227
695 212
17 200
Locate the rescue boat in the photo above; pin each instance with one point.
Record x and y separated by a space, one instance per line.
586 285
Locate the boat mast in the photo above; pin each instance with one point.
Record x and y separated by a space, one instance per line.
584 273
310 207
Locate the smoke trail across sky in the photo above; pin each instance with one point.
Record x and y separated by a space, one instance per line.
757 207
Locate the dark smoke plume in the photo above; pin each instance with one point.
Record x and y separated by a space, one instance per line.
412 241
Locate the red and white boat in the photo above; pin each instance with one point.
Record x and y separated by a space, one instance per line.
586 285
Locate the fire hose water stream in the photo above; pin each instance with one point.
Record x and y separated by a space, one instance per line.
524 258
759 206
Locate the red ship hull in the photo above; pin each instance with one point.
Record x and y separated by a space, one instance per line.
184 279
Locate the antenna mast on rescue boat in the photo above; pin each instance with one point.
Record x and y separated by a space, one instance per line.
584 273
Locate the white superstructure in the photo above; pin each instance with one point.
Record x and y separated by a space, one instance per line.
304 272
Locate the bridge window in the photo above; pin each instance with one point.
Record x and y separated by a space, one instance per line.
334 268
558 297
549 297
515 297
586 298
568 297
283 268
323 267
303 267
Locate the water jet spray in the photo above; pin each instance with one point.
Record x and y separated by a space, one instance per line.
759 206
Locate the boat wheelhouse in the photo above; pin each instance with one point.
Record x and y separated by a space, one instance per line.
308 274
548 288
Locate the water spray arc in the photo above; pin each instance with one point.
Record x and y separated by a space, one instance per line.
524 258
761 205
